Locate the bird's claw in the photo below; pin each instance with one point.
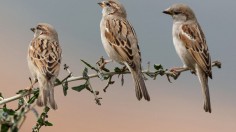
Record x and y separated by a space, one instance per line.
29 88
174 73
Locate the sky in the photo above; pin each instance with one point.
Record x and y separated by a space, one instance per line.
176 106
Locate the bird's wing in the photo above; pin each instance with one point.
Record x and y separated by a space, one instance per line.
122 38
46 56
195 43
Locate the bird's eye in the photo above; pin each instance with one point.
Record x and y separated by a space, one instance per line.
38 27
108 4
176 12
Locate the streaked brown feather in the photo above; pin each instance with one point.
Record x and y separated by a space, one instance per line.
123 39
45 55
195 43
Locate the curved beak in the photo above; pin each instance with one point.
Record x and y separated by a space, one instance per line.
32 29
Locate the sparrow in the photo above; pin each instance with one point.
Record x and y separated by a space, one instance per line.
190 44
44 59
120 43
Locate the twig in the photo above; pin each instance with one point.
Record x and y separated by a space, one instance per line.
108 83
24 117
95 93
71 79
67 69
4 101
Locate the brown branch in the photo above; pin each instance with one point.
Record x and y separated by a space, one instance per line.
72 78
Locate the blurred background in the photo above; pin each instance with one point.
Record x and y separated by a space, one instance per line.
176 106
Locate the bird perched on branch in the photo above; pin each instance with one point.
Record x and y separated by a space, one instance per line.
44 59
121 44
191 47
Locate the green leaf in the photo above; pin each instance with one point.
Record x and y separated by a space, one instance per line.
85 73
22 91
105 69
40 121
31 100
158 67
4 127
65 88
47 123
80 88
91 67
46 109
36 93
117 70
9 111
106 77
58 81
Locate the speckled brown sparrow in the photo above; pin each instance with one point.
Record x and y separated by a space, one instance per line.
121 44
190 45
44 59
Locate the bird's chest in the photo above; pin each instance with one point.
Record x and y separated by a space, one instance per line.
179 47
181 50
107 46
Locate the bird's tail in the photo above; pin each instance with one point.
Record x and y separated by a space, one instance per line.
46 93
203 78
140 87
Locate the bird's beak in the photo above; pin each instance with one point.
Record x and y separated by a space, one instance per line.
101 4
167 11
32 29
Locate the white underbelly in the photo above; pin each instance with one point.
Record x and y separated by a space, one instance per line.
112 54
184 54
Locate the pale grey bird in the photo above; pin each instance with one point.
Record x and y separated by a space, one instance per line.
190 45
44 59
121 44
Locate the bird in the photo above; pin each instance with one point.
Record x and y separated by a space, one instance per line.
44 59
190 45
121 44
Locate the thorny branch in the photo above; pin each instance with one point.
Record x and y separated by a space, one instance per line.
13 119
153 74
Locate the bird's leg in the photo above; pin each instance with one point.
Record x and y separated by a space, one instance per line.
122 70
193 72
176 72
31 85
102 62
